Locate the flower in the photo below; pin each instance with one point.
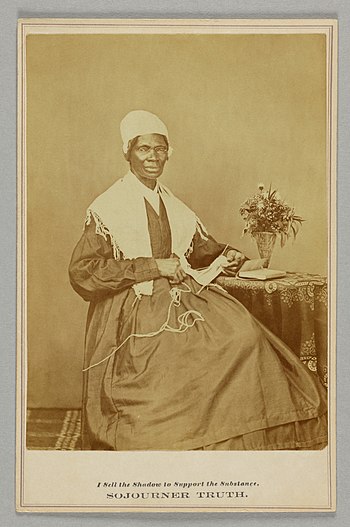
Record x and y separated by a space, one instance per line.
266 211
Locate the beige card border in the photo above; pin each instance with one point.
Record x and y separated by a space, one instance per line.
328 27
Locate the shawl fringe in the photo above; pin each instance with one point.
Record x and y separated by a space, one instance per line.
103 231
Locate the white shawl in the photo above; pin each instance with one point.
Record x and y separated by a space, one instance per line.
120 213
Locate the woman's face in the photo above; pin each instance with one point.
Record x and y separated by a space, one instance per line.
148 157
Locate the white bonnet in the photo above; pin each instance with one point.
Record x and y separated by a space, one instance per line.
141 122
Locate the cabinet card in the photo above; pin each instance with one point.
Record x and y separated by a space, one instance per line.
150 154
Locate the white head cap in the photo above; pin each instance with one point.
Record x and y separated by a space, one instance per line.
140 122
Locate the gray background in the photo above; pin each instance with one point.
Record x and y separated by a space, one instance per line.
10 11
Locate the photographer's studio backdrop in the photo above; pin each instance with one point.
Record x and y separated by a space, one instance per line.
240 109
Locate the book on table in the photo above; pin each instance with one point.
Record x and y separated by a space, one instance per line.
255 270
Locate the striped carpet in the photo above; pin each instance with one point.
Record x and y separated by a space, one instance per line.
53 429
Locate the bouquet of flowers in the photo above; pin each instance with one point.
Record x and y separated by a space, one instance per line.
267 212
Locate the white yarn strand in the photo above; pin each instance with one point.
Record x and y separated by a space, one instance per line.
184 322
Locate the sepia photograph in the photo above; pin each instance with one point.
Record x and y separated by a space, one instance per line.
176 227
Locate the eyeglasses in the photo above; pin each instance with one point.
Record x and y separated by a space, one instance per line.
157 149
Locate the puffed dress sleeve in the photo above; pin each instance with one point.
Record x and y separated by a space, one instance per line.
94 273
205 250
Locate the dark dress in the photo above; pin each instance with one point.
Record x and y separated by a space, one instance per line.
226 383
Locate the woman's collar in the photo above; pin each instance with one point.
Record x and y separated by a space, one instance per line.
140 186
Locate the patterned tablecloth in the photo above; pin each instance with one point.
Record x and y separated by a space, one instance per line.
294 308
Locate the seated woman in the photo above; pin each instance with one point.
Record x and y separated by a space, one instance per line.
170 364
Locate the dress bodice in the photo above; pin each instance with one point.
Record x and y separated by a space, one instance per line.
159 230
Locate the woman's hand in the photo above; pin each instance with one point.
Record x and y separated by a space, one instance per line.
171 268
235 260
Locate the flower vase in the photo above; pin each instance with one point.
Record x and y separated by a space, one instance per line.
265 242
